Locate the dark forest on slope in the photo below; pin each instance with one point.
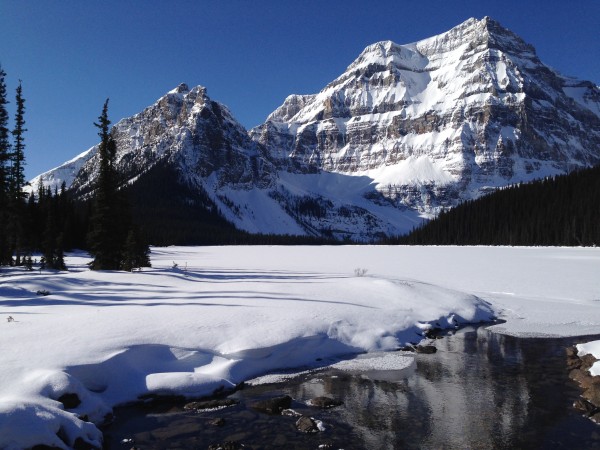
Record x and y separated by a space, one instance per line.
563 211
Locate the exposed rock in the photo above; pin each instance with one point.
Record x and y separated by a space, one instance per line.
458 115
307 424
583 377
273 405
571 352
390 97
587 361
227 445
210 404
573 361
425 349
324 402
578 375
433 333
592 394
218 422
586 407
589 404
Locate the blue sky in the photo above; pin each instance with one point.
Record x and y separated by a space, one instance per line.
72 55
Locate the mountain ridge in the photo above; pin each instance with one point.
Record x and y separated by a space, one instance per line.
406 131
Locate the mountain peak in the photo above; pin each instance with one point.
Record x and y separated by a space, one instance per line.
474 33
385 52
407 131
181 89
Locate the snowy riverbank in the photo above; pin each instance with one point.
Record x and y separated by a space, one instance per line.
226 314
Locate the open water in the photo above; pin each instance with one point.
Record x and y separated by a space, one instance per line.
481 390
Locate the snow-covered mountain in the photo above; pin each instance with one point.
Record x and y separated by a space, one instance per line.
404 132
443 119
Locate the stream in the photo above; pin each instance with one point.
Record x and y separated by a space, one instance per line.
481 390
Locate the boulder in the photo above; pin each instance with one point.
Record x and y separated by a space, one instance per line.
210 404
307 424
273 405
324 402
578 375
425 349
592 394
433 333
218 422
586 407
587 361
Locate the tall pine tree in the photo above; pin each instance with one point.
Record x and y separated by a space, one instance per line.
5 254
17 196
105 237
111 242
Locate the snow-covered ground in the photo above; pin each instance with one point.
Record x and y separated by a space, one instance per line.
227 314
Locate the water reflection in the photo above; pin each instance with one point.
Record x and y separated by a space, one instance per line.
479 391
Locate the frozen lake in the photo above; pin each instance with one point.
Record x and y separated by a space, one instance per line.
206 318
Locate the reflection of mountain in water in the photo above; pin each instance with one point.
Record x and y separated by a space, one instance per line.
474 392
481 390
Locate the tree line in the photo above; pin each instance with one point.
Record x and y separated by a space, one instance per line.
49 222
556 211
12 178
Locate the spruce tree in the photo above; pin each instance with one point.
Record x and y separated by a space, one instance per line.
17 180
105 241
111 242
5 254
136 251
18 155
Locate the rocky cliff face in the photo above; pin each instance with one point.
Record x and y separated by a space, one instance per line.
189 130
441 120
405 131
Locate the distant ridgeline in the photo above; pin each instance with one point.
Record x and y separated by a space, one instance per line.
562 211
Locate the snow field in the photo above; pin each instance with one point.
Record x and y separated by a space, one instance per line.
228 314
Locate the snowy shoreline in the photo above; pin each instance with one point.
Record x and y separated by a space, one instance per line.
227 314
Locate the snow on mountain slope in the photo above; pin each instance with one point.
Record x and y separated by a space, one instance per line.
65 173
405 132
212 153
443 119
194 133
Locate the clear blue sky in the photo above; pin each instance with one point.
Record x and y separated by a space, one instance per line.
250 54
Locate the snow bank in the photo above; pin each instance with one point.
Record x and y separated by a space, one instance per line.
228 314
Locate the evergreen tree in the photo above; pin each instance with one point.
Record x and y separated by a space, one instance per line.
104 238
5 254
136 251
17 180
17 174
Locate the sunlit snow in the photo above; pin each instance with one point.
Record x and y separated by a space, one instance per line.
209 317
